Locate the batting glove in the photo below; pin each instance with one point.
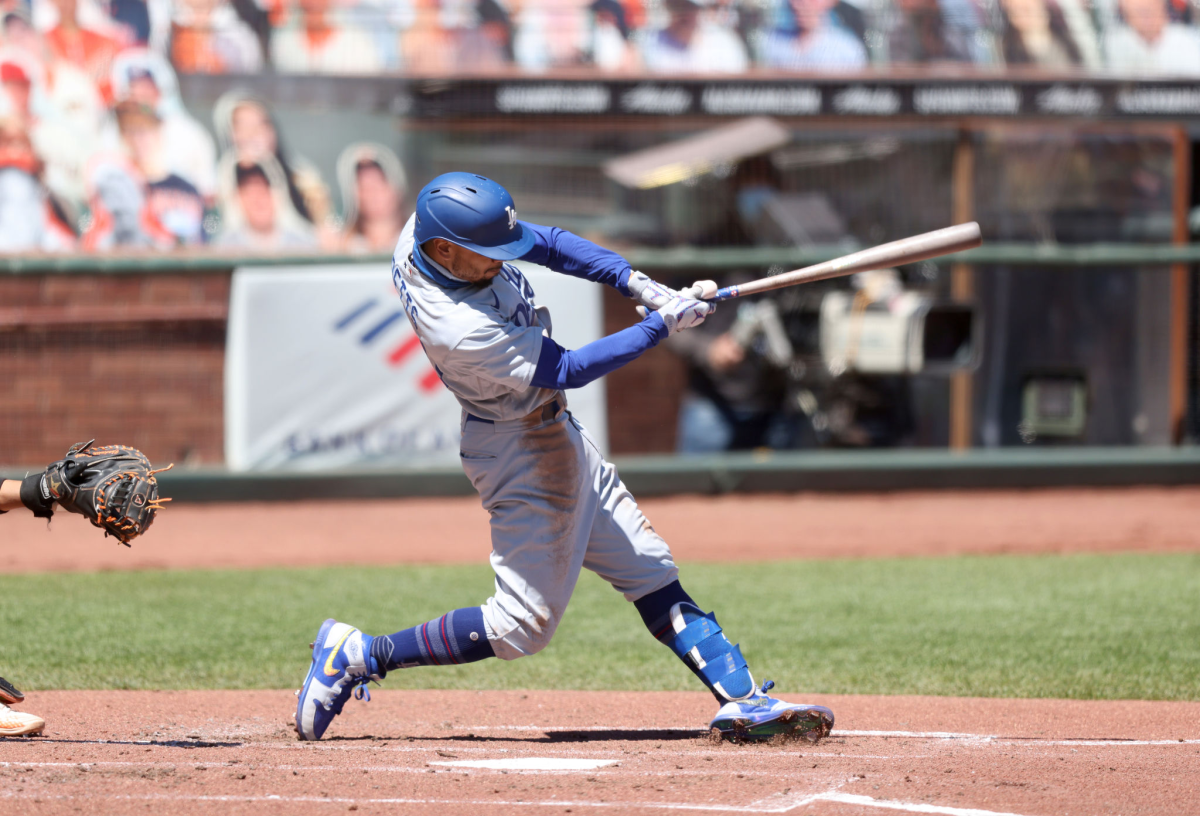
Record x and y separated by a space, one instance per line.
650 294
684 313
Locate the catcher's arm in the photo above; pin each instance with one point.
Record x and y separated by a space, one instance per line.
15 495
10 495
113 486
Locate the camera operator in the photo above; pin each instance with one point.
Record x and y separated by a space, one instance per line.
735 396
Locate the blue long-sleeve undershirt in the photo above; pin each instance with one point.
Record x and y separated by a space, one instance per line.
578 257
560 368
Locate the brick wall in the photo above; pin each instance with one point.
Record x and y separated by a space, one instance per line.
643 397
135 359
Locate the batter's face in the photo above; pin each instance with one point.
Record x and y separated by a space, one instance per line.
462 262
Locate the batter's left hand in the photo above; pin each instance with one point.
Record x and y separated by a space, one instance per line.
650 294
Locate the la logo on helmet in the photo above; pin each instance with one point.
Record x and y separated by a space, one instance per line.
512 217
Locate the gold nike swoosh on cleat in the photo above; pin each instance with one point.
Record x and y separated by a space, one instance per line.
330 671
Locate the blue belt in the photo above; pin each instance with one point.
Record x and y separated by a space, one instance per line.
549 411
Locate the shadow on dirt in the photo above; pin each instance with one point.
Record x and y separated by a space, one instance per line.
545 738
144 743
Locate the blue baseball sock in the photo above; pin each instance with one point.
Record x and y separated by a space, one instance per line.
676 621
454 638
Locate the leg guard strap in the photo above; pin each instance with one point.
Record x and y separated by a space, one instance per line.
696 633
703 646
718 668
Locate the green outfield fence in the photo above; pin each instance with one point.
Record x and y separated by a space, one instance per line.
678 259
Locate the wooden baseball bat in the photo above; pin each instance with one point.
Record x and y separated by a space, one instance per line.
905 251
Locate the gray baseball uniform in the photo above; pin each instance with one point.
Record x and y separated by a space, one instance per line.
556 505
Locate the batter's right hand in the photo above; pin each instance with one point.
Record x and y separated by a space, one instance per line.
684 313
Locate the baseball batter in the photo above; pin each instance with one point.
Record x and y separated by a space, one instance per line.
556 505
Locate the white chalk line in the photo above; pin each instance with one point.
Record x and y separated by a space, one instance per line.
936 735
775 804
939 735
1112 743
911 807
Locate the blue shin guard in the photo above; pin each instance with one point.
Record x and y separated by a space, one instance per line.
696 638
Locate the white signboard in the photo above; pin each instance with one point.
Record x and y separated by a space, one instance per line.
323 370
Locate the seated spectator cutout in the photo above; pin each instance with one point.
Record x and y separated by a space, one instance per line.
427 45
255 211
144 77
1148 44
486 43
179 208
691 43
208 37
247 130
172 204
30 221
550 33
314 40
61 126
84 47
1035 33
120 217
918 31
609 39
373 185
67 94
811 38
142 139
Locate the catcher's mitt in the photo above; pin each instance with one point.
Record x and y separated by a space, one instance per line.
112 485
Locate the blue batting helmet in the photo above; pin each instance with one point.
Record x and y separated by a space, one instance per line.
473 212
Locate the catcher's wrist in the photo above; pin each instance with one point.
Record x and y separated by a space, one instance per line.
36 497
10 495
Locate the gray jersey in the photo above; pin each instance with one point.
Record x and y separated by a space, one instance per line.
484 340
555 505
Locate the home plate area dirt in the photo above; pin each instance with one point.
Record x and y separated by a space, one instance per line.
459 752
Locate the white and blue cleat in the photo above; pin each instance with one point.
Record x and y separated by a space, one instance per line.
341 666
760 717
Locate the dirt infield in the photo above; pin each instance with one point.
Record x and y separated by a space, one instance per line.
234 752
698 529
607 752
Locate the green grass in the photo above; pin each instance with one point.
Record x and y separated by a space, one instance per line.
1090 627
